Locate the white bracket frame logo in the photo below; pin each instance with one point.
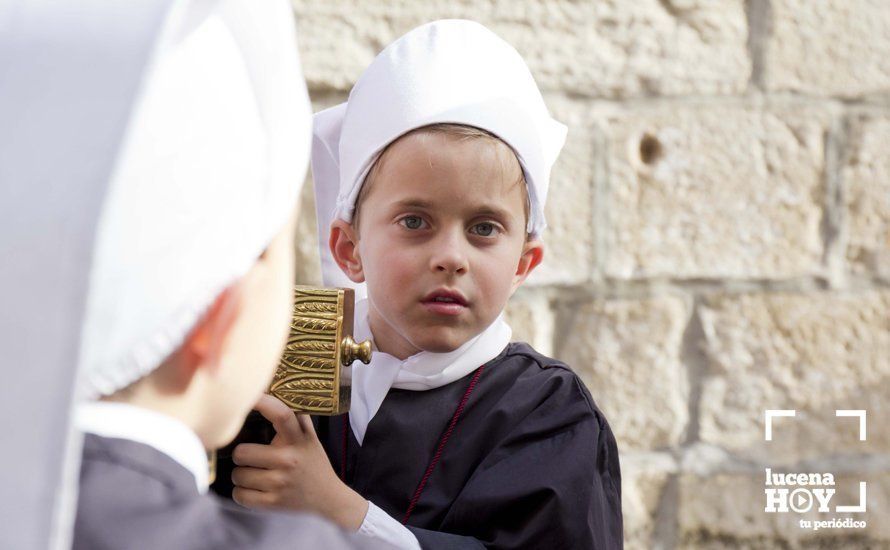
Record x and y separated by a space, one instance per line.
770 414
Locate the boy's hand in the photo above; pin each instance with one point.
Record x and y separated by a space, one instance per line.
293 472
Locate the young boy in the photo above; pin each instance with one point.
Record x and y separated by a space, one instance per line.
441 158
191 284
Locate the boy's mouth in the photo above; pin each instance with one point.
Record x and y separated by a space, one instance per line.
445 302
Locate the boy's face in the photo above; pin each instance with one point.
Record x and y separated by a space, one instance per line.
441 241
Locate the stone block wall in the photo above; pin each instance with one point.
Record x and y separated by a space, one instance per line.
719 239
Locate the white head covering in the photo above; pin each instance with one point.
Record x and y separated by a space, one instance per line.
210 170
126 111
69 77
177 79
449 71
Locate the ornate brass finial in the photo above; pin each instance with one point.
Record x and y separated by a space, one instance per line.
351 351
310 377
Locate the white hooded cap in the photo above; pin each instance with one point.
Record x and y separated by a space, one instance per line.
210 170
77 78
448 71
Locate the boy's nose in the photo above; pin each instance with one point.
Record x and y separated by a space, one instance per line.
449 256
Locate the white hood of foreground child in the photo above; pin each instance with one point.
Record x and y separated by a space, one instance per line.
422 371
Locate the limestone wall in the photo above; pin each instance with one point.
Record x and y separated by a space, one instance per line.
719 240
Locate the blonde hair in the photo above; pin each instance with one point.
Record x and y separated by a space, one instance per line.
458 131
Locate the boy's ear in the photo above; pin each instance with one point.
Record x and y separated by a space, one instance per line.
204 346
344 248
532 255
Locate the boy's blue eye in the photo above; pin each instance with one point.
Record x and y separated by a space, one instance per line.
484 229
412 222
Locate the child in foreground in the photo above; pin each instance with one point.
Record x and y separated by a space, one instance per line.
457 438
191 284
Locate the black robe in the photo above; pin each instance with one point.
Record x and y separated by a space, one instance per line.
531 462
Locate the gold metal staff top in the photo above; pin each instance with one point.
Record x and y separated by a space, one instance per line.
310 378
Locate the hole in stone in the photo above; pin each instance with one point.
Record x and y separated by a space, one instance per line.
650 149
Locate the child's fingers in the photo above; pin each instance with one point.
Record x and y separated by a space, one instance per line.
257 455
257 479
251 498
306 425
287 428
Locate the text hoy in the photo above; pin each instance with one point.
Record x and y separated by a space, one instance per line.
802 499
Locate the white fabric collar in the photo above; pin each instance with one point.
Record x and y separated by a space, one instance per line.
159 431
421 371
